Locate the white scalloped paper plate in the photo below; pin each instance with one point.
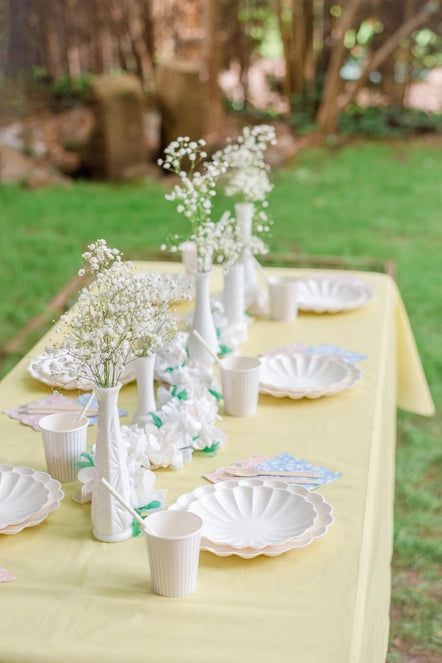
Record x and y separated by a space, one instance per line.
34 516
306 375
332 295
39 368
253 516
319 528
21 497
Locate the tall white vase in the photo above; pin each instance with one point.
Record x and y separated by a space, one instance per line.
244 216
233 294
111 521
203 323
144 371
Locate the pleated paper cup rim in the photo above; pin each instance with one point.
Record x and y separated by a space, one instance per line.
49 422
149 525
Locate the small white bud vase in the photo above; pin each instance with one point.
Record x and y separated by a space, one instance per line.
244 216
189 257
111 521
203 323
233 294
144 372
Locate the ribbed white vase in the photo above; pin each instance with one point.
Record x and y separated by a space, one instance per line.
144 372
244 216
111 521
203 323
233 294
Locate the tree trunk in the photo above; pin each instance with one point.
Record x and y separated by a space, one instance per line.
134 24
328 110
51 29
286 39
297 39
385 51
148 31
212 57
4 33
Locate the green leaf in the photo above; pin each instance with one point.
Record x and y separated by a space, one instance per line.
181 395
155 504
156 419
136 527
89 462
217 394
224 350
210 451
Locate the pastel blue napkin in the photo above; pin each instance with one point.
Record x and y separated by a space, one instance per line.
285 462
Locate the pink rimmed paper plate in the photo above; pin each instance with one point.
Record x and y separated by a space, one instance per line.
323 520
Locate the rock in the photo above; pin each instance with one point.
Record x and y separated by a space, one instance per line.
182 95
15 167
117 144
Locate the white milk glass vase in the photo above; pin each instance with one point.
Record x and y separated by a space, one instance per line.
233 294
111 522
244 216
144 372
203 323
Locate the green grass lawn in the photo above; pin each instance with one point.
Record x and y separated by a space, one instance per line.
382 200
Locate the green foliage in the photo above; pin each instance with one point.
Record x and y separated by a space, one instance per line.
388 122
68 92
305 105
426 48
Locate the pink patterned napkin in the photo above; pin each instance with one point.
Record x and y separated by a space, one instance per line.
56 401
5 576
220 475
283 462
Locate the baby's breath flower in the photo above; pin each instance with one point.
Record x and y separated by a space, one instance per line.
246 175
244 164
229 242
194 195
120 314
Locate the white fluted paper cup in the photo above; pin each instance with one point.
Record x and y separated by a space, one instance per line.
283 298
64 440
173 540
240 385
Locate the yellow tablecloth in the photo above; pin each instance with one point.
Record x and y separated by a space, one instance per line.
76 599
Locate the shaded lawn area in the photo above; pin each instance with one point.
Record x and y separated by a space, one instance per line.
366 199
